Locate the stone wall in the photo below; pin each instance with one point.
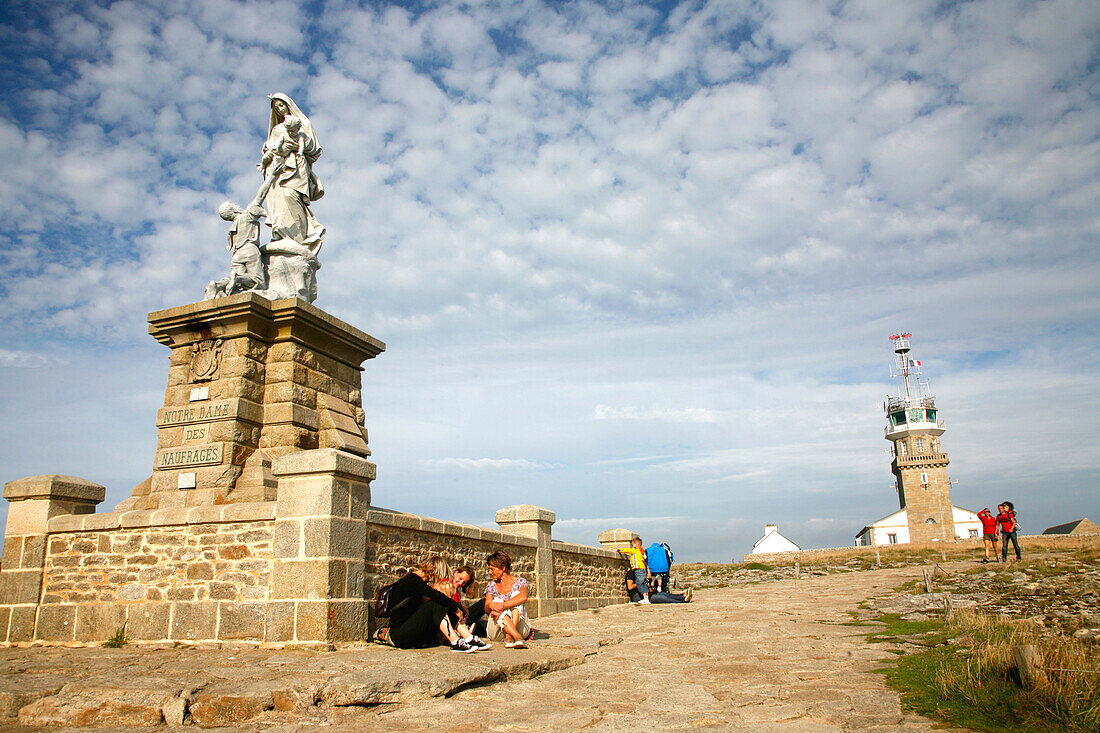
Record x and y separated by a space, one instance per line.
173 575
585 577
300 570
397 542
198 562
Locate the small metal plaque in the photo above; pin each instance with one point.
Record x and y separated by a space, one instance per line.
200 393
186 481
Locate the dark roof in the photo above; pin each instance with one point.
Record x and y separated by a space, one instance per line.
1066 528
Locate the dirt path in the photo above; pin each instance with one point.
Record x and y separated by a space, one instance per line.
769 657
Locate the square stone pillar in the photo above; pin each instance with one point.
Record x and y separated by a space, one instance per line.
533 521
33 502
317 576
616 539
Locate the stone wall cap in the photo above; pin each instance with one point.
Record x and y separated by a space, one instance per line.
249 512
136 518
53 486
617 535
258 511
525 513
109 520
392 517
323 460
575 549
66 523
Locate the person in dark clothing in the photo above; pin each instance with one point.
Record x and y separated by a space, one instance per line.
421 613
1007 520
655 597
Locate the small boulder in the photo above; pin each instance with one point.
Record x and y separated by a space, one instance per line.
228 705
1088 635
96 706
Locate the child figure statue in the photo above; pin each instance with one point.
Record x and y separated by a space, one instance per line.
247 270
287 143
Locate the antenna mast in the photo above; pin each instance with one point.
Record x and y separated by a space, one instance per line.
904 365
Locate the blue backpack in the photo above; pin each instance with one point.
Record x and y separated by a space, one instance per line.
658 557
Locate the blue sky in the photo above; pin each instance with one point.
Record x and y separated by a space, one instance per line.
636 263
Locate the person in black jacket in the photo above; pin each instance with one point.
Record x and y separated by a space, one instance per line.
421 613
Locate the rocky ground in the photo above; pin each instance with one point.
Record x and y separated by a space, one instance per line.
713 575
774 656
1059 593
757 650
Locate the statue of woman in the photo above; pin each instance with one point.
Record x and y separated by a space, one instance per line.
288 211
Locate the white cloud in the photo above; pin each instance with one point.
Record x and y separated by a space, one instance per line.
703 224
685 414
478 464
25 359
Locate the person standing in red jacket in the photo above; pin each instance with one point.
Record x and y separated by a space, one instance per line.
1007 519
989 534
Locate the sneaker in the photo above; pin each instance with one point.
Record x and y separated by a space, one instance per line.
463 646
519 644
530 635
382 636
687 595
643 602
479 643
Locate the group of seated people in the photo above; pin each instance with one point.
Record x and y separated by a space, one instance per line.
435 601
645 585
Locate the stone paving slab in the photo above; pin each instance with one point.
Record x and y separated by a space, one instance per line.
769 657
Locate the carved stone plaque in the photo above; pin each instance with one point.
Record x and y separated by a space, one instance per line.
199 455
204 360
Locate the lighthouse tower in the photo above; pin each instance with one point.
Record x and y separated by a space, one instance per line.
920 466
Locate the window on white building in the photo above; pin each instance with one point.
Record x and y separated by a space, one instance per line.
973 534
892 539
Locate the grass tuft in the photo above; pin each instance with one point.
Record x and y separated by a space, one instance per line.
966 675
118 640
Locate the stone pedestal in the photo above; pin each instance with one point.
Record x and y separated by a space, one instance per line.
317 576
250 380
33 502
532 521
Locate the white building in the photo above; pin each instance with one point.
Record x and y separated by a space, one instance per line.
772 541
894 529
